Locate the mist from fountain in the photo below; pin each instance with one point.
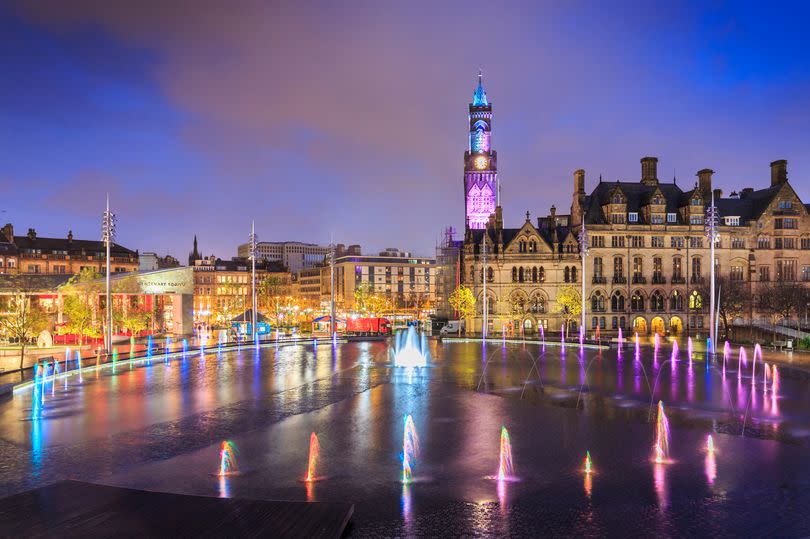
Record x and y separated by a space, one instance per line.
410 349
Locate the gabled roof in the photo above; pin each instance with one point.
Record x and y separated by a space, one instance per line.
71 246
637 194
750 206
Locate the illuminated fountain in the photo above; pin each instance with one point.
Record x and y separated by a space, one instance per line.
620 339
505 467
114 357
149 347
656 342
673 358
661 449
542 336
168 347
227 459
79 364
766 374
185 347
711 462
742 359
410 449
588 469
409 349
689 348
638 349
581 336
562 334
314 454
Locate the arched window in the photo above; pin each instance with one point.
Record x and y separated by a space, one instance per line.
637 302
518 303
514 274
598 302
676 301
567 274
490 275
617 302
534 274
573 274
541 274
533 246
657 301
537 304
695 301
520 275
472 275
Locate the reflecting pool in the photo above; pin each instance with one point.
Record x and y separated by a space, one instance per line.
493 441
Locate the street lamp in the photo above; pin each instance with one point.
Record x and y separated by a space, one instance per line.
107 235
583 249
712 233
254 250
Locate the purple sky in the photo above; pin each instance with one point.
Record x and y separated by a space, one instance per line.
349 118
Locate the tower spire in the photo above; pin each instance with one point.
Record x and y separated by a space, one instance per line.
480 95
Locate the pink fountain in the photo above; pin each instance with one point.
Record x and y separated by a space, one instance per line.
741 360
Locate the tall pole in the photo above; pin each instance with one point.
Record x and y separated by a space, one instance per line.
583 250
107 233
332 322
712 234
484 278
254 248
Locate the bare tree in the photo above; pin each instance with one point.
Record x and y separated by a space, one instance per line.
733 300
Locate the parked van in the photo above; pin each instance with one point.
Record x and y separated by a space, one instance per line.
451 327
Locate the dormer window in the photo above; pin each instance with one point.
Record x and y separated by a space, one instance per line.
732 220
617 199
658 200
785 204
672 218
697 202
632 217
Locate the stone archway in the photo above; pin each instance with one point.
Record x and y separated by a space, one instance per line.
675 325
657 325
640 325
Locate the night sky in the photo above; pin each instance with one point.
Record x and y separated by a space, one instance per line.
350 118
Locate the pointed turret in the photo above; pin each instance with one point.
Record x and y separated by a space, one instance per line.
480 95
195 254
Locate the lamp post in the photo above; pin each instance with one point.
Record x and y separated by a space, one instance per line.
583 250
107 236
254 251
712 234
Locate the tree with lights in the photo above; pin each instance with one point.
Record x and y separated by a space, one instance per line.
462 300
568 304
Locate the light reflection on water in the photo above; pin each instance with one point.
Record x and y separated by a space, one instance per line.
362 432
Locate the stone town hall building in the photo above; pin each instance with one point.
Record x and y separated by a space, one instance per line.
648 252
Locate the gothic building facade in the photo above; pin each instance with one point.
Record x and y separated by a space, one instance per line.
648 260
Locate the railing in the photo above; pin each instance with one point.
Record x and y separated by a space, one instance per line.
619 279
639 279
696 279
678 280
599 279
659 279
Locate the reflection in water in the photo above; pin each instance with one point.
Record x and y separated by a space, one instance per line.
660 477
501 486
406 502
710 463
224 486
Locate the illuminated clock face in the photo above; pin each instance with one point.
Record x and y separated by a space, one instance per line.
480 162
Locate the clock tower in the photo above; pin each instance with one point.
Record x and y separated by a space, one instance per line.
480 163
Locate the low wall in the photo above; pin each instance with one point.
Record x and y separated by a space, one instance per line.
10 357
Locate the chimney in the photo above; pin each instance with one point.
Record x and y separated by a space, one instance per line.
745 192
778 172
718 194
70 237
32 234
553 216
498 217
705 180
649 170
579 182
8 232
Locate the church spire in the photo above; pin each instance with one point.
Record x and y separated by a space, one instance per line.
195 255
480 95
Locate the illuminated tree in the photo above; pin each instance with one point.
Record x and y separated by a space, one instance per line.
79 300
568 304
24 321
463 302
